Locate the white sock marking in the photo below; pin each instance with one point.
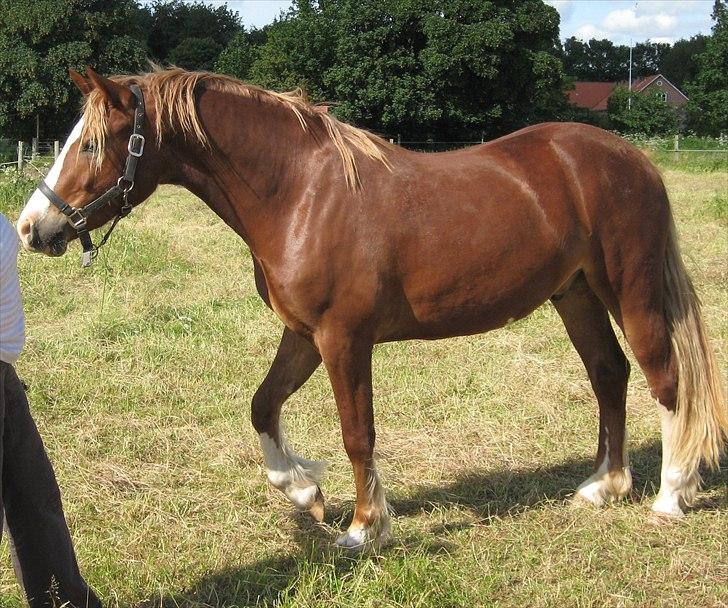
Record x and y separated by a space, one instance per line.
676 487
294 475
359 537
603 485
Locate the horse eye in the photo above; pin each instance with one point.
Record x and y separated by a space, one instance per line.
88 147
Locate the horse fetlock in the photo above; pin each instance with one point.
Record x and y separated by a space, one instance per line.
605 486
303 497
677 491
362 536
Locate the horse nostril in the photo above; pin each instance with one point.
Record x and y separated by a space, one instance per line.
25 228
34 238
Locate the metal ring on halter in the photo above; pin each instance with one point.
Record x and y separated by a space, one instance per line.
124 189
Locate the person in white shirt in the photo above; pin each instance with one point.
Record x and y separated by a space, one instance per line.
41 547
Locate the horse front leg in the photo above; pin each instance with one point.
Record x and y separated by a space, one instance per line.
295 476
349 364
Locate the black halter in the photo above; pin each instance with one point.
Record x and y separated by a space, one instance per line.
78 216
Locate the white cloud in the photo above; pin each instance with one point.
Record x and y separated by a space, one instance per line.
650 19
588 31
565 8
663 40
627 20
670 7
620 20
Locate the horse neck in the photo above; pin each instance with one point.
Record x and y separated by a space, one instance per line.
257 166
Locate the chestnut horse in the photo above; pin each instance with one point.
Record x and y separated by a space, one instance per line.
356 242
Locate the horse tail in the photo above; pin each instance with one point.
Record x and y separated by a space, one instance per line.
700 426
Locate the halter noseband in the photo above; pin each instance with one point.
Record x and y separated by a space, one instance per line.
78 216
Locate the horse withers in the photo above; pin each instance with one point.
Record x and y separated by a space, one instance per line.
356 241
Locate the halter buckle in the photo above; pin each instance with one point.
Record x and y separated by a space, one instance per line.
78 220
136 145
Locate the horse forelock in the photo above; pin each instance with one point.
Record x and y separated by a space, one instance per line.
172 92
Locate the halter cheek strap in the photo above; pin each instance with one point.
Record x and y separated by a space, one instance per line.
78 216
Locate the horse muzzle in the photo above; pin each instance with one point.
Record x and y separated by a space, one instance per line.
51 241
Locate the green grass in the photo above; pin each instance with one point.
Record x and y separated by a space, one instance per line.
141 371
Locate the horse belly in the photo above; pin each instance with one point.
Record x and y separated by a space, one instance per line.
483 278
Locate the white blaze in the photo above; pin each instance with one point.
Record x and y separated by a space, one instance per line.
38 205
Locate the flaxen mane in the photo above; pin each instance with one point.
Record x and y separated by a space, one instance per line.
172 92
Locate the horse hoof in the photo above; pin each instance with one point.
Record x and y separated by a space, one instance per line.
668 506
360 538
590 495
356 540
317 508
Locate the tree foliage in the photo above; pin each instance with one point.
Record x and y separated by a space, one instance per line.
435 68
189 35
595 60
680 64
237 57
649 113
604 61
41 39
708 93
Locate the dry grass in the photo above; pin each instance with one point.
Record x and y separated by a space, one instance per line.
141 373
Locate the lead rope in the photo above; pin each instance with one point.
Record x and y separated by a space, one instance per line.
90 255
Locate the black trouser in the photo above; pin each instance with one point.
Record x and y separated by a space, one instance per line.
41 545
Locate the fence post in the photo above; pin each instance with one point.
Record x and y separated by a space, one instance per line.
56 149
34 147
677 146
20 155
399 139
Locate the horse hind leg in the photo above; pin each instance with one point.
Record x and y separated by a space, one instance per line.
663 325
587 323
292 474
671 347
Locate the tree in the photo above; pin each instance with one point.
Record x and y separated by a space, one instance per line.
649 113
647 58
238 56
708 93
680 64
595 60
195 53
298 50
603 61
435 68
172 23
41 39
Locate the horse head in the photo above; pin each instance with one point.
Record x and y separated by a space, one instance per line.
109 163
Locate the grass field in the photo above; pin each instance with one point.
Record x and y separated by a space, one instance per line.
141 372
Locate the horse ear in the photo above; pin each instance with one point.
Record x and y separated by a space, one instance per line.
83 85
116 95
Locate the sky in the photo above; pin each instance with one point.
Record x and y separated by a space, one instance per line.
616 20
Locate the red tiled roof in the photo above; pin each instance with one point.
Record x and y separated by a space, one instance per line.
641 83
594 95
591 95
